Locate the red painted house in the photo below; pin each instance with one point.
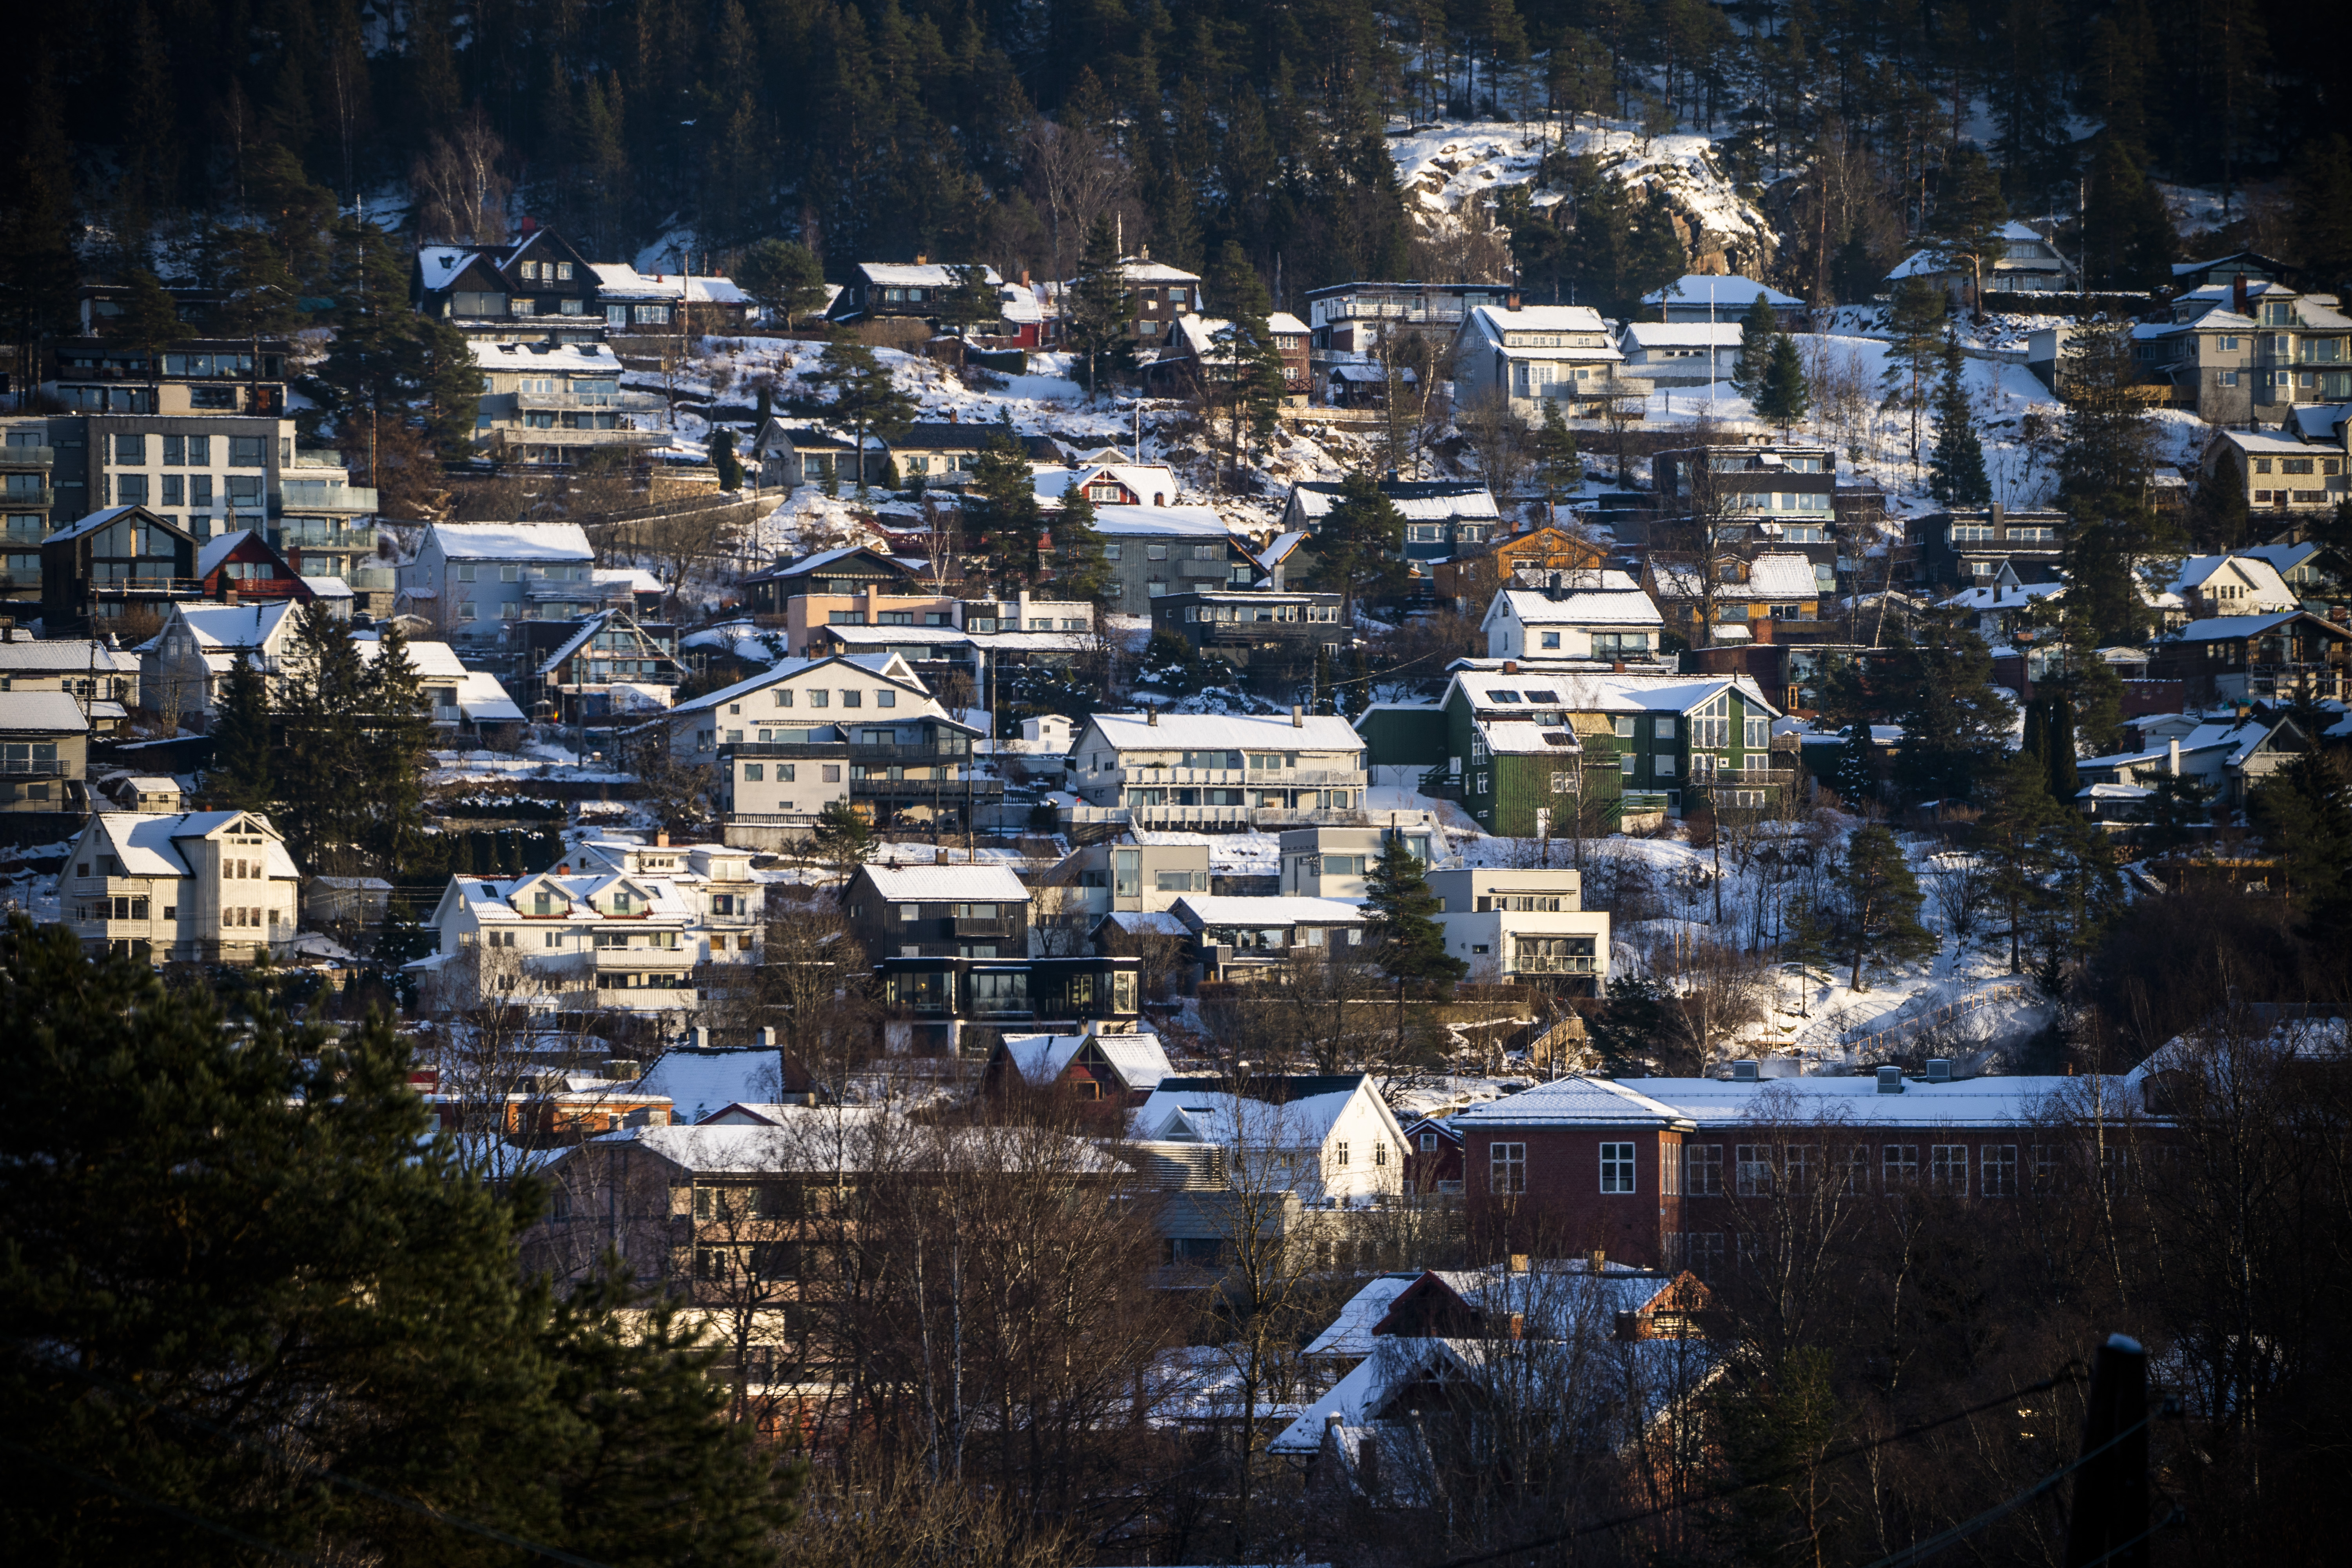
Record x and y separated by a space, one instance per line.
1119 1069
243 564
1432 1156
1661 1172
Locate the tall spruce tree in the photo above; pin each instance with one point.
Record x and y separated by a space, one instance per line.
1878 902
243 777
1002 516
1955 720
396 732
1408 945
1359 547
1081 571
1968 217
866 399
1853 779
1915 343
2010 839
1758 329
1098 312
255 1311
1785 397
1956 472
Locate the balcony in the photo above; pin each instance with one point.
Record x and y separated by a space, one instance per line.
323 495
571 402
34 767
44 497
998 928
945 791
14 456
1578 965
1244 778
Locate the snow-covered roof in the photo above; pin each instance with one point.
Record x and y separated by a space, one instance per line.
618 280
888 666
930 275
533 358
96 521
2221 628
1138 1059
2262 443
1133 270
1680 335
41 712
1349 1334
947 884
1276 553
440 264
214 550
78 656
954 636
1220 732
435 658
636 579
484 701
1524 738
1286 325
1147 922
2010 596
1154 482
1540 319
1438 502
1205 1111
512 540
1730 291
1212 910
1616 607
147 843
233 627
1600 692
327 588
1769 576
1852 1099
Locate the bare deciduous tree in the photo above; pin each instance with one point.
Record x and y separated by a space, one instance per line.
461 187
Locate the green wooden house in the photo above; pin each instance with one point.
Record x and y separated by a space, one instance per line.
1525 749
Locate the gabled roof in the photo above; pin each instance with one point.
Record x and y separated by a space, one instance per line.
928 275
1611 605
1769 576
512 540
1523 738
521 358
824 560
1728 292
1160 521
1597 691
888 666
435 658
97 520
1297 1112
147 843
228 627
946 884
2223 628
75 656
1154 483
1436 501
700 1083
1220 731
1138 1059
41 713
1205 910
1495 320
214 550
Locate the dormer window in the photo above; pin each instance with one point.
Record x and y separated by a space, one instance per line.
542 903
620 900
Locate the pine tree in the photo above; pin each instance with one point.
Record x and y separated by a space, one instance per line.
258 1206
783 275
1955 719
244 749
1627 1028
394 733
1098 309
1408 945
1244 376
2178 809
2218 519
1915 341
1002 519
1757 330
1956 473
1359 546
723 458
842 842
1968 217
866 400
1785 397
1081 572
2128 237
1878 904
2009 838
2323 209
1853 778
2066 779
2304 812
1558 464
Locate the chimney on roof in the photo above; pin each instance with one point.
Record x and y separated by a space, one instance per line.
701 1038
1511 300
1297 722
661 840
1025 278
1552 590
1515 1264
530 224
1510 667
1151 716
1996 514
2172 757
922 260
767 1037
229 595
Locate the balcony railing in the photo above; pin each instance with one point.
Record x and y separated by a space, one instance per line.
977 928
947 791
1271 778
1554 965
34 767
306 495
43 456
44 497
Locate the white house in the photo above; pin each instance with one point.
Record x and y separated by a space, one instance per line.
1234 936
2030 265
1323 1138
214 887
1539 354
1201 768
182 666
713 879
2236 584
1680 353
1507 924
2226 760
1702 297
1592 615
1107 484
549 403
469 578
564 940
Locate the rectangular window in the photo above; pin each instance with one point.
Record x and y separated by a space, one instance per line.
200 486
248 451
1616 1167
131 489
1752 1169
131 449
753 772
174 489
1948 1167
1898 1165
1703 1170
1507 1168
1997 1173
2047 1158
1339 1152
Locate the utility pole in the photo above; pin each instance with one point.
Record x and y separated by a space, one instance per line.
2109 1525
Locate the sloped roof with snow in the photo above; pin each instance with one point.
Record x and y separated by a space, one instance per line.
1524 738
888 666
947 884
1210 909
930 275
2222 628
1769 576
1220 732
1600 692
530 358
1625 607
1729 292
702 1083
233 627
1680 335
436 658
564 541
41 712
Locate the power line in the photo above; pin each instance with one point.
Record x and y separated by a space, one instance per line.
1966 1527
2071 1373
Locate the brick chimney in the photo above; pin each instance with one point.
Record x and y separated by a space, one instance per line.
921 260
661 840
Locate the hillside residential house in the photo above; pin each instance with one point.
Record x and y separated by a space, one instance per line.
1156 550
1136 873
207 474
104 678
2280 473
940 912
1526 559
192 375
470 578
611 664
44 753
1324 1138
2298 565
1333 862
945 452
1538 354
1117 1068
2246 658
1599 615
123 562
1218 770
658 304
464 704
911 606
1273 640
1787 491
1443 518
1525 925
200 887
847 571
536 288
182 665
1108 484
915 293
2233 585
1680 353
1701 298
236 567
552 404
1202 347
790 455
563 942
929 1002
1969 549
2225 760
1640 744
1349 322
1654 1170
2029 264
787 742
2233 348
1162 295
714 880
1773 587
1251 939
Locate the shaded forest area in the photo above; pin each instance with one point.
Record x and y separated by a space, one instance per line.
996 129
